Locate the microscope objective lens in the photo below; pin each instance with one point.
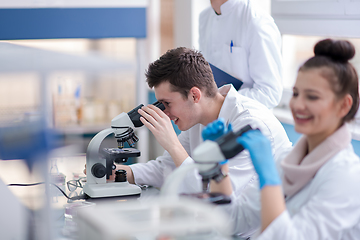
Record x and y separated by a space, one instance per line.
120 144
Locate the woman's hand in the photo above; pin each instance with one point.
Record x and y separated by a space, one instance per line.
215 129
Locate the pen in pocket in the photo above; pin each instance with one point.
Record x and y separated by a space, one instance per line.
231 46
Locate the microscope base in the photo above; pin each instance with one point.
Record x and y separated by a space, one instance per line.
113 189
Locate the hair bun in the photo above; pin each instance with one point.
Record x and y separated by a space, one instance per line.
337 50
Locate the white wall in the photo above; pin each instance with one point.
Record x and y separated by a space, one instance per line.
186 22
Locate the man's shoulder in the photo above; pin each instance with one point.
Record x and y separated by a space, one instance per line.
245 109
249 103
238 102
255 112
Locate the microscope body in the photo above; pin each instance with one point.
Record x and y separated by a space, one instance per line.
100 162
207 157
97 167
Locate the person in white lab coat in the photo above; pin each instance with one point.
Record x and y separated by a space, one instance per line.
317 193
246 44
183 82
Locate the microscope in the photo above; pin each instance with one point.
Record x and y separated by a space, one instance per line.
208 158
100 162
210 154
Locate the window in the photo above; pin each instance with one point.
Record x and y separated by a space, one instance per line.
296 49
302 23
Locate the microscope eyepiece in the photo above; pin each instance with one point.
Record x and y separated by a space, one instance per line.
126 133
135 116
159 105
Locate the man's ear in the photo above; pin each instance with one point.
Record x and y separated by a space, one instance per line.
195 94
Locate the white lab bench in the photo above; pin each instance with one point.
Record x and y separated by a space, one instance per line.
70 166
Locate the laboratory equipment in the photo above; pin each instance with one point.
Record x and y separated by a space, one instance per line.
70 228
57 178
100 162
31 142
14 216
156 218
207 157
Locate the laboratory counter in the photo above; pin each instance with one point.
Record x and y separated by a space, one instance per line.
66 173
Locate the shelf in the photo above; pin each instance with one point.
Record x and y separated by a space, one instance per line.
72 19
16 58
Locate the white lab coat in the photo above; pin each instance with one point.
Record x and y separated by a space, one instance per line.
237 110
255 57
328 207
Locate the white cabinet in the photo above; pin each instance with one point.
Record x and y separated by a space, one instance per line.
352 7
317 17
84 19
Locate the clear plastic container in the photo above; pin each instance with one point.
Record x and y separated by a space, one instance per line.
70 227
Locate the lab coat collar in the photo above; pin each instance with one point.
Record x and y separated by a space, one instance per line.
230 94
227 7
225 89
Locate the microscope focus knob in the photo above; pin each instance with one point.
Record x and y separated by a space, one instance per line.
120 176
98 170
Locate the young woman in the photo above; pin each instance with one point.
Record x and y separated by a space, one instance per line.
317 194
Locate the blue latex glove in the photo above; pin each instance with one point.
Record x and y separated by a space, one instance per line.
214 130
259 148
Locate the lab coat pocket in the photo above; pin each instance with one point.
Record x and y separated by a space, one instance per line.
236 62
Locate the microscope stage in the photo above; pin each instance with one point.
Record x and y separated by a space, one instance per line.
120 155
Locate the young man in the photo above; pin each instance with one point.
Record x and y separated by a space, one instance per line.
183 82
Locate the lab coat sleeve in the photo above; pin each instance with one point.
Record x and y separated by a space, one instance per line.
154 172
244 211
241 169
241 173
265 64
333 209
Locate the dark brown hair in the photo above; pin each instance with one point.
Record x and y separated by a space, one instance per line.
183 68
333 56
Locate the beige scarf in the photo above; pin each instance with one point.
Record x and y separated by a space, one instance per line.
299 168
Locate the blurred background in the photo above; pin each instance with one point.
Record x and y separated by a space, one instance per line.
83 103
78 80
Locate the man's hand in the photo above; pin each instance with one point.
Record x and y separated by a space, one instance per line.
160 125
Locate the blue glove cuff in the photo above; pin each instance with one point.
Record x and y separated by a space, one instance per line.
223 162
274 180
